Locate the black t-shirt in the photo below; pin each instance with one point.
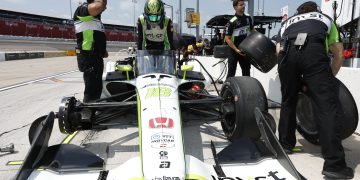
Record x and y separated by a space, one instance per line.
238 28
315 24
99 37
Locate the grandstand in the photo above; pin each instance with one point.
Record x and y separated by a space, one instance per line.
30 25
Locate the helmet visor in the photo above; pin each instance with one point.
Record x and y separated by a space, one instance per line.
154 18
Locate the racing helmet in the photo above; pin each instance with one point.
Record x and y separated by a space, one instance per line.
154 11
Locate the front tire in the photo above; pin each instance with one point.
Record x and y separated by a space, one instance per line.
242 95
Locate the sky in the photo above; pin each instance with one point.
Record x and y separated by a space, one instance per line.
121 12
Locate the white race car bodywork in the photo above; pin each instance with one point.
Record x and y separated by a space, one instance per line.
161 133
161 143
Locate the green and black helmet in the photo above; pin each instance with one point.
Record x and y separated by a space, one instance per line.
154 10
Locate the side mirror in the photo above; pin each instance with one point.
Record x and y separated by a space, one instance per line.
125 68
186 68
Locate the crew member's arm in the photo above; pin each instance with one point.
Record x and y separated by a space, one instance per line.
97 7
252 27
140 35
336 47
170 34
277 48
278 39
232 45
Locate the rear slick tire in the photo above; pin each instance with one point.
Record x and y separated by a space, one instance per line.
306 124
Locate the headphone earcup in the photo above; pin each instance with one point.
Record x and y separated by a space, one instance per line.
163 9
146 17
319 9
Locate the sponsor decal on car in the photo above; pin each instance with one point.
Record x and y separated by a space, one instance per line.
157 84
271 175
163 154
158 92
166 178
162 140
161 122
165 164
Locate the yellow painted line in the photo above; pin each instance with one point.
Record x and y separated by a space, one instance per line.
69 138
194 177
13 163
54 79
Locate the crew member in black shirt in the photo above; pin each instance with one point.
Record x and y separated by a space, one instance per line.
303 43
237 29
91 46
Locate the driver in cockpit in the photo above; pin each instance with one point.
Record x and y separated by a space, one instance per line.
155 30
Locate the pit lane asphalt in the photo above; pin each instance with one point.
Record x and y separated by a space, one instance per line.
20 106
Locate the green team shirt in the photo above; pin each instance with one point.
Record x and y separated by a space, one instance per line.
90 31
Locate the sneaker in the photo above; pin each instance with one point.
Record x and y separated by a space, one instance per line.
288 151
293 150
346 173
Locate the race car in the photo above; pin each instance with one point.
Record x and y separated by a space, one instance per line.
161 92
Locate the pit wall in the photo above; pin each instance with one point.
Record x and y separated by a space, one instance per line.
9 56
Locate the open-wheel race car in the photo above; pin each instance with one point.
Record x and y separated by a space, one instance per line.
159 92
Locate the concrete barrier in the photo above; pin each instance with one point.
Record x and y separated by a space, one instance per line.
50 54
9 56
22 55
34 55
2 56
70 53
12 56
271 82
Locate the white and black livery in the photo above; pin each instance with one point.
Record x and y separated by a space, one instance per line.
161 95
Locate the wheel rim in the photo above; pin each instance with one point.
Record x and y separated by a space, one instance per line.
229 120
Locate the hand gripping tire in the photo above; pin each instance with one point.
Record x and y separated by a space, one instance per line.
306 118
243 94
222 51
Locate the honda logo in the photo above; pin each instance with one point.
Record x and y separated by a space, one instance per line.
161 122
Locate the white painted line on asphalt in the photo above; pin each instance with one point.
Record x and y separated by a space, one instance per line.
37 80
